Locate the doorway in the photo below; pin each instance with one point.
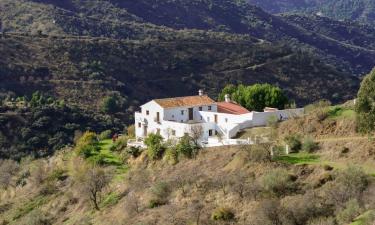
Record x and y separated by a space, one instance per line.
191 114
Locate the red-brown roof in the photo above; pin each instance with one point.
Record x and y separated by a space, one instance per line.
188 101
231 108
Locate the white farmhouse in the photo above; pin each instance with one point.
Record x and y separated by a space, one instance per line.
174 117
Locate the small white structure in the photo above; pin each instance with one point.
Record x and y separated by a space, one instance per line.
200 115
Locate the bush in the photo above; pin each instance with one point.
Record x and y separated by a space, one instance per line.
222 213
309 145
258 153
57 175
88 150
294 142
134 151
130 131
185 147
159 194
365 105
351 211
105 135
160 190
154 203
120 144
171 155
278 182
87 139
155 149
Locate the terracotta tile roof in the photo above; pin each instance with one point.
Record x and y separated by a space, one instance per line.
188 101
231 108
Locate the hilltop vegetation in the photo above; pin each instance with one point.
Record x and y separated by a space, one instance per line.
143 19
359 10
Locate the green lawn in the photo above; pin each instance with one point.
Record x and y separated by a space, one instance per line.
109 157
299 158
340 112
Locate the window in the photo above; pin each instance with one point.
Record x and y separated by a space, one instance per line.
208 119
139 125
226 120
209 108
147 112
182 112
201 117
210 133
216 133
200 108
174 132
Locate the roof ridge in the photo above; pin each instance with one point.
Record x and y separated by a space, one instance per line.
181 97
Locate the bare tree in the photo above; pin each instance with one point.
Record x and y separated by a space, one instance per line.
96 180
196 133
132 205
8 168
241 183
181 181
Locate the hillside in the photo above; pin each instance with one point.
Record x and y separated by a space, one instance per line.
142 19
347 32
229 185
140 71
360 10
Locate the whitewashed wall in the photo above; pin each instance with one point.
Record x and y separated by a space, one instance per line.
261 118
148 120
174 114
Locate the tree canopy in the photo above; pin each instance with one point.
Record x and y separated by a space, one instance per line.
256 97
365 104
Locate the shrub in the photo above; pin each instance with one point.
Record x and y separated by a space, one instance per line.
8 168
365 106
120 144
88 138
353 177
309 145
105 135
278 182
327 167
130 131
155 149
134 151
351 211
57 175
171 155
153 203
160 190
258 153
222 213
36 217
294 142
88 150
345 150
185 147
159 194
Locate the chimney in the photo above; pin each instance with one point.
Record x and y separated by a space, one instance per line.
200 92
227 98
